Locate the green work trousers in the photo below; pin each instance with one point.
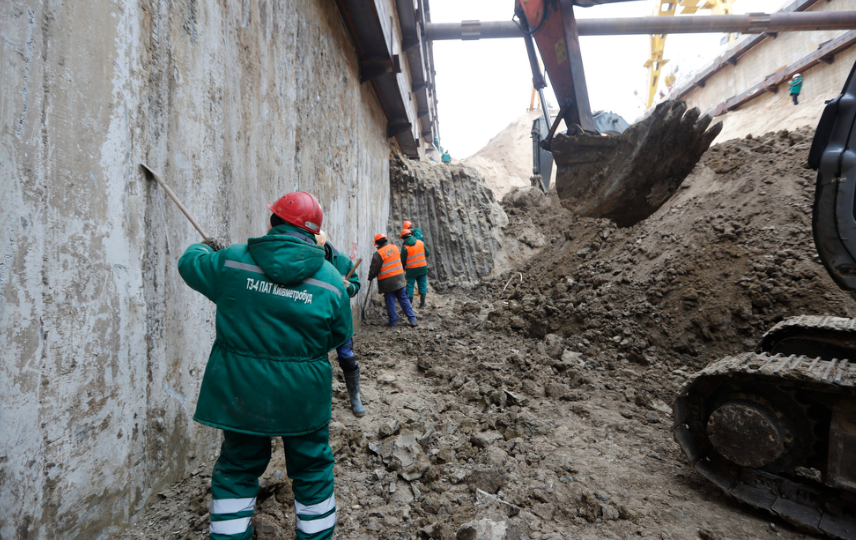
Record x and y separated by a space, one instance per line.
421 281
235 484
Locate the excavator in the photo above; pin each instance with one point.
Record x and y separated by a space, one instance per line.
625 178
774 428
628 176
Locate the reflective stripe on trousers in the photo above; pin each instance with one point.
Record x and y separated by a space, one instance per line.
233 506
312 526
230 527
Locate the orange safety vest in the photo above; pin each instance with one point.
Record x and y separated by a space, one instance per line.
391 265
416 255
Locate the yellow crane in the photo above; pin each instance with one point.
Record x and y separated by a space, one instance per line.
658 47
658 41
532 106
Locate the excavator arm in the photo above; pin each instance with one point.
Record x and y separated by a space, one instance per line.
552 26
627 177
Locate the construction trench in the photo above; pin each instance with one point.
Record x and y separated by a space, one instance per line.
534 399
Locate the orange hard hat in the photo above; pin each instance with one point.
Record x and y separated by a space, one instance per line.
406 232
378 237
301 209
408 225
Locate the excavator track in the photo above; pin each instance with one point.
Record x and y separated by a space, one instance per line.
812 335
761 426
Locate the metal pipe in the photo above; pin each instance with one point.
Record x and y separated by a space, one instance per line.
751 23
545 109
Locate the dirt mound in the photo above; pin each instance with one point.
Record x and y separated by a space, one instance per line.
506 160
478 433
457 213
725 259
463 223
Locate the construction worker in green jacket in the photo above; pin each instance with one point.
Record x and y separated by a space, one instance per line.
280 309
417 232
795 86
414 258
345 353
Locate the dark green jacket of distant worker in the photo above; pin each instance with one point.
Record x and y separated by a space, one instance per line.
280 309
417 234
343 265
796 85
411 273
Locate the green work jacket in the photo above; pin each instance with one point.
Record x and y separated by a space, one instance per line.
411 273
796 85
343 265
280 309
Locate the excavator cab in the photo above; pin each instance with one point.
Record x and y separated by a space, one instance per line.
833 156
625 177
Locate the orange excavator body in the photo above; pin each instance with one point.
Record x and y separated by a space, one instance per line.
554 30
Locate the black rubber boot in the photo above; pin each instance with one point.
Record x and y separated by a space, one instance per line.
422 300
352 381
411 300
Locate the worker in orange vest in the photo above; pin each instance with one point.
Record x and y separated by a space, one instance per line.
414 255
387 268
416 231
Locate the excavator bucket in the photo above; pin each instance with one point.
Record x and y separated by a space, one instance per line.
626 178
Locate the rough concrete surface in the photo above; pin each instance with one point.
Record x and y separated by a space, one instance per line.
774 54
465 227
457 213
234 104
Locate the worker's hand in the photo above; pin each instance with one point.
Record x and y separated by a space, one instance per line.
345 282
213 244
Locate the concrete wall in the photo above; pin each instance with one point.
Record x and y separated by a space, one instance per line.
235 103
772 112
774 54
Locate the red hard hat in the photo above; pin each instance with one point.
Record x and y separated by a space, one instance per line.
405 232
408 225
378 237
301 209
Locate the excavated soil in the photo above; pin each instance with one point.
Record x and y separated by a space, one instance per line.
542 411
726 258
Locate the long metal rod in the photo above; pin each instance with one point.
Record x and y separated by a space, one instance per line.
752 23
544 108
174 198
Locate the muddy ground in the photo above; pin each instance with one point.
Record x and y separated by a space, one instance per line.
493 426
543 411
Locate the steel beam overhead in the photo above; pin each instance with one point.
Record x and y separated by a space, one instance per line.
751 23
